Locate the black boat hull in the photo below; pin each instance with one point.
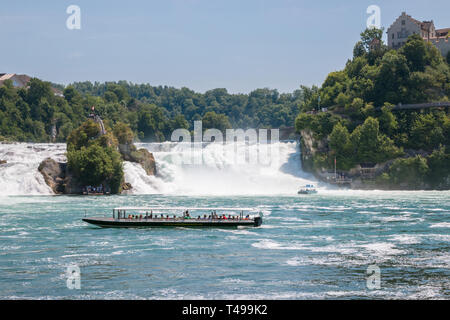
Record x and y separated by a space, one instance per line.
190 223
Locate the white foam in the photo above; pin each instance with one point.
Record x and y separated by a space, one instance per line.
382 249
220 174
273 245
20 174
405 239
440 225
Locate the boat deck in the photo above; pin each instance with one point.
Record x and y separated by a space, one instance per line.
177 222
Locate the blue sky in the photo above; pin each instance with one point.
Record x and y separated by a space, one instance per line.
201 44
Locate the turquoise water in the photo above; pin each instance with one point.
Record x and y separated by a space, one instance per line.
309 247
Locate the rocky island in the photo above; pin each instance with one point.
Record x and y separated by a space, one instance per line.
95 155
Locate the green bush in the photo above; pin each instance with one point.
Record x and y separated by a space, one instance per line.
370 145
340 144
123 133
93 158
439 165
95 165
409 171
82 136
320 124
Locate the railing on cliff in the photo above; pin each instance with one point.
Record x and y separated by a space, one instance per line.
416 106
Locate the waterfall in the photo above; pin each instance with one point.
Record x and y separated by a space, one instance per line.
217 172
20 175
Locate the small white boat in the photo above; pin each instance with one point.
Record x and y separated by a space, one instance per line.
308 189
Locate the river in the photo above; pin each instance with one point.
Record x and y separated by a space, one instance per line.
309 247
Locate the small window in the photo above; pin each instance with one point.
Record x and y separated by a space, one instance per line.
393 36
403 22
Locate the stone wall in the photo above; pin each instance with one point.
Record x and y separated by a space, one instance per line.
442 44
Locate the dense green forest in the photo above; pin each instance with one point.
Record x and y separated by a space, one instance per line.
151 112
361 126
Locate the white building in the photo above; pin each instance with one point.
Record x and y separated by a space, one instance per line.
406 26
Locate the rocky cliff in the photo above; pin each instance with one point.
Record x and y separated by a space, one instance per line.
362 176
141 156
58 177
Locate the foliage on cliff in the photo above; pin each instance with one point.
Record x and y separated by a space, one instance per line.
360 125
93 158
29 114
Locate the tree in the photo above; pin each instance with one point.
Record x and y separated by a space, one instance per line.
426 132
82 136
355 107
415 51
388 121
95 165
152 122
439 165
370 34
359 50
339 142
370 145
212 120
94 159
409 171
391 79
123 133
39 90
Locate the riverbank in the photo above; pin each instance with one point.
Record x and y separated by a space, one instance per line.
411 171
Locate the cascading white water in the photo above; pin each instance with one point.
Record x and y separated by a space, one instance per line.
20 175
218 172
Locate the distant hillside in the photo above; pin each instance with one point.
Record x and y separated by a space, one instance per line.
152 112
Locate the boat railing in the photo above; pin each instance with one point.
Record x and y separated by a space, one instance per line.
155 212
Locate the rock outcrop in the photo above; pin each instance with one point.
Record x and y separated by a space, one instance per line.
54 174
141 156
58 177
3 161
126 186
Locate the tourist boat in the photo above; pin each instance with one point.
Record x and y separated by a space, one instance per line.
165 217
95 191
308 189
